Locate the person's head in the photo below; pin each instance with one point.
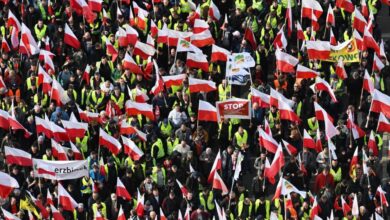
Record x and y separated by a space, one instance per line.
80 207
171 194
325 171
155 191
113 197
48 152
240 130
40 23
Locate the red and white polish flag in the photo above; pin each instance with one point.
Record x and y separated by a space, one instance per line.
7 184
65 199
200 85
308 141
380 103
383 124
219 54
183 189
131 149
8 215
130 64
70 38
318 50
75 129
306 73
121 190
175 80
260 98
340 70
56 214
285 62
207 112
143 50
111 143
217 165
200 26
135 108
199 61
323 85
267 141
309 7
214 12
17 156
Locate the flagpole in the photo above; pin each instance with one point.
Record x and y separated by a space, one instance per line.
231 189
285 207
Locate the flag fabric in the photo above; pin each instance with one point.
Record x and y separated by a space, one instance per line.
354 161
76 152
380 103
110 50
219 54
135 108
58 150
202 39
276 165
214 12
143 50
56 214
130 64
17 156
372 146
262 99
323 85
28 41
44 79
359 22
320 113
330 19
183 189
291 150
70 38
308 141
13 21
287 113
140 204
159 84
200 26
300 33
306 73
7 185
285 62
121 214
267 141
383 124
332 39
250 37
9 215
95 5
127 129
207 112
309 7
185 46
347 5
198 61
280 40
121 190
369 41
346 208
75 129
377 64
357 132
64 198
219 184
382 196
318 49
289 18
59 94
217 165
368 85
340 70
131 149
175 80
200 85
4 46
109 142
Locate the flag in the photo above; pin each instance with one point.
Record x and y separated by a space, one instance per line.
17 156
110 50
262 99
129 130
380 103
276 165
121 190
185 46
276 96
217 165
364 8
207 112
308 141
135 108
140 204
109 142
76 152
377 64
309 7
332 39
382 196
306 73
330 129
9 215
285 62
372 146
159 83
267 141
357 132
121 214
28 41
280 40
162 216
359 22
49 198
143 50
354 161
56 214
162 35
347 5
314 25
75 129
202 39
340 70
225 23
359 40
250 37
214 11
300 34
15 124
44 79
219 184
355 206
13 21
4 46
131 149
200 85
7 185
369 41
64 199
58 151
95 5
318 50
287 113
219 54
198 61
346 208
153 29
4 123
175 80
383 124
88 116
323 85
183 189
200 26
130 64
368 85
15 39
291 150
330 19
71 39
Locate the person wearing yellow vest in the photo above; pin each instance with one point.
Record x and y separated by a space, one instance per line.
48 155
262 208
86 187
206 199
224 90
165 128
172 141
335 171
240 139
100 207
312 125
118 97
32 80
159 175
40 30
244 209
378 81
96 98
157 151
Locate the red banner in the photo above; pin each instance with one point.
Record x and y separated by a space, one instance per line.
234 108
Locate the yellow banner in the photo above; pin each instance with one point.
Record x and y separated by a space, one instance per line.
347 51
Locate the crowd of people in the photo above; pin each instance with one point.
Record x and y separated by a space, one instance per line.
47 75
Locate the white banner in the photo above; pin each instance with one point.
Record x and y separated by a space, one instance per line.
240 60
60 170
